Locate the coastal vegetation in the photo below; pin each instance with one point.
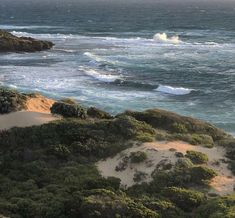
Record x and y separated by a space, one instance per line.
50 170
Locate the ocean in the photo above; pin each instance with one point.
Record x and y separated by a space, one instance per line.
119 55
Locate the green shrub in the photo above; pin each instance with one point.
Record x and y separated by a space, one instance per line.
145 137
217 208
179 128
138 157
185 199
201 174
194 139
165 208
184 163
61 151
68 101
139 176
166 120
197 157
97 113
202 139
106 204
68 110
11 101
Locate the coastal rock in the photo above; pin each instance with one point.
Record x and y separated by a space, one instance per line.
11 43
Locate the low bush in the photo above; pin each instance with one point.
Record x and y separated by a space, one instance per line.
179 128
175 123
185 199
138 157
197 157
68 110
184 163
97 113
201 174
217 207
106 204
165 208
11 101
139 176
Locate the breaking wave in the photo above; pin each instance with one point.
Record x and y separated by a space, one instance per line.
99 75
164 38
173 90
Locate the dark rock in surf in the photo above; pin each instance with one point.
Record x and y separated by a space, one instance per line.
11 43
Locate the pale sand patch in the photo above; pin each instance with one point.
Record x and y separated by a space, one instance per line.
159 152
24 119
39 103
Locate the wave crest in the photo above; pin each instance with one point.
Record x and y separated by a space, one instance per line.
173 90
100 75
164 38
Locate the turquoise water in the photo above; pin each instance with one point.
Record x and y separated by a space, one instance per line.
178 55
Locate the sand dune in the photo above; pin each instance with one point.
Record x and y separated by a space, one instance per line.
159 152
39 103
37 112
24 119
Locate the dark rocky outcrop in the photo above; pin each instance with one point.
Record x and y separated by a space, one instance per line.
11 43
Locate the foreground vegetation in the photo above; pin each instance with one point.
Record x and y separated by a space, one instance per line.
48 171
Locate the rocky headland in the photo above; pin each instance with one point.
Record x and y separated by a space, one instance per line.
12 43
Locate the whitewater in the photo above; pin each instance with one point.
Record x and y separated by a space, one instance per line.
129 59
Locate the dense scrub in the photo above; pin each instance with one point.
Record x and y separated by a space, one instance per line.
138 157
49 171
175 123
11 101
68 110
197 157
218 207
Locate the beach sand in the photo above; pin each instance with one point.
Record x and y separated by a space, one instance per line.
24 119
39 103
37 113
164 152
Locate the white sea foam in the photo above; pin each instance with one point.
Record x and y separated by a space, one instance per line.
94 57
13 86
164 38
100 75
16 27
173 90
99 59
47 35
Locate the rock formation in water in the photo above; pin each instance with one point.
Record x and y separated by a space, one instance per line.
11 43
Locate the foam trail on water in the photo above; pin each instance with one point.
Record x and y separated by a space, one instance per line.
47 35
164 38
173 90
15 27
99 59
94 57
99 75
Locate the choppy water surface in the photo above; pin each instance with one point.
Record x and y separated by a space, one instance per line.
117 56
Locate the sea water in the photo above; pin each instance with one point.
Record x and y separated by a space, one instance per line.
136 54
